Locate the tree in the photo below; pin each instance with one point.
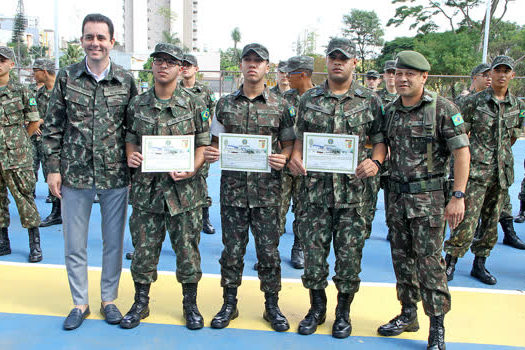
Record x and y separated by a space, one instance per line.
230 59
456 12
73 53
364 29
20 24
146 74
236 36
392 48
306 44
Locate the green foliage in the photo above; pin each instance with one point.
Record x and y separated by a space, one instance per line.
146 74
392 48
230 59
73 53
20 24
236 36
306 45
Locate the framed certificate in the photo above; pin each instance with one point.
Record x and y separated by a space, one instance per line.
168 153
330 153
245 152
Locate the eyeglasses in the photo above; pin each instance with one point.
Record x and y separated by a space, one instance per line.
159 61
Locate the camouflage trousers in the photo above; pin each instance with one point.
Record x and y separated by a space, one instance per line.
205 170
21 184
483 201
38 156
415 246
148 231
373 188
506 207
346 226
264 224
291 186
521 196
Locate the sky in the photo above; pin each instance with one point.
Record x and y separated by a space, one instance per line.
273 23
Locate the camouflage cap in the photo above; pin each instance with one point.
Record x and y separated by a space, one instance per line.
169 49
502 60
480 68
389 65
259 49
7 52
281 67
342 45
412 60
191 59
44 64
300 62
373 74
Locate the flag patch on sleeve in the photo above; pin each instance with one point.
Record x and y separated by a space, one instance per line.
457 119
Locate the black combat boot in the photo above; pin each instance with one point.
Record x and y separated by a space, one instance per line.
297 256
5 247
49 198
405 322
480 272
35 253
207 227
273 314
436 336
140 308
510 238
451 266
317 313
521 215
55 218
228 311
191 313
342 326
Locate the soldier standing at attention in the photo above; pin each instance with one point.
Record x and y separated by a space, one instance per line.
422 129
372 79
251 200
85 155
281 77
166 201
334 205
16 173
44 71
494 117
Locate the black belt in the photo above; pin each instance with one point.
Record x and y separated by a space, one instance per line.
419 186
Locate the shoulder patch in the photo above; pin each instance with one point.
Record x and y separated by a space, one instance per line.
205 115
32 101
291 110
457 119
522 113
383 109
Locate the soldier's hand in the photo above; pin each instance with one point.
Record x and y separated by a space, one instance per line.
366 168
181 175
454 212
38 132
211 154
296 166
54 181
135 160
277 161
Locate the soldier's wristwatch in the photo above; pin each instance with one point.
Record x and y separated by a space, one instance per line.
458 194
378 163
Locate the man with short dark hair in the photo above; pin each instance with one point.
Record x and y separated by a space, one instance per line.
281 78
479 80
372 79
251 200
85 155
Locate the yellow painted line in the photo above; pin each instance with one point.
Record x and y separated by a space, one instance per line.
481 317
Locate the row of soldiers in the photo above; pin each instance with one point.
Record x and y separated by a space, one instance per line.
92 137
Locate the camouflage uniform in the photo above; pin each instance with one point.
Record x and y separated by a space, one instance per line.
275 89
491 124
158 202
250 199
42 99
16 172
417 202
335 205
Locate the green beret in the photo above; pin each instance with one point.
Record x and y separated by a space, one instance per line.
412 60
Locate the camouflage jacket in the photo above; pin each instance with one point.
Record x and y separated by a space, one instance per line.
275 89
17 107
42 100
386 97
85 127
406 137
184 114
357 112
492 124
267 114
205 93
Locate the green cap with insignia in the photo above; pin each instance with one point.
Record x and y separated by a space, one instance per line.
342 45
258 49
44 64
372 74
502 60
480 68
169 49
281 67
300 62
412 60
7 52
191 59
389 65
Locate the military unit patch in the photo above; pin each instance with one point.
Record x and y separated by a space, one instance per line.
32 101
205 114
457 119
522 113
291 110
